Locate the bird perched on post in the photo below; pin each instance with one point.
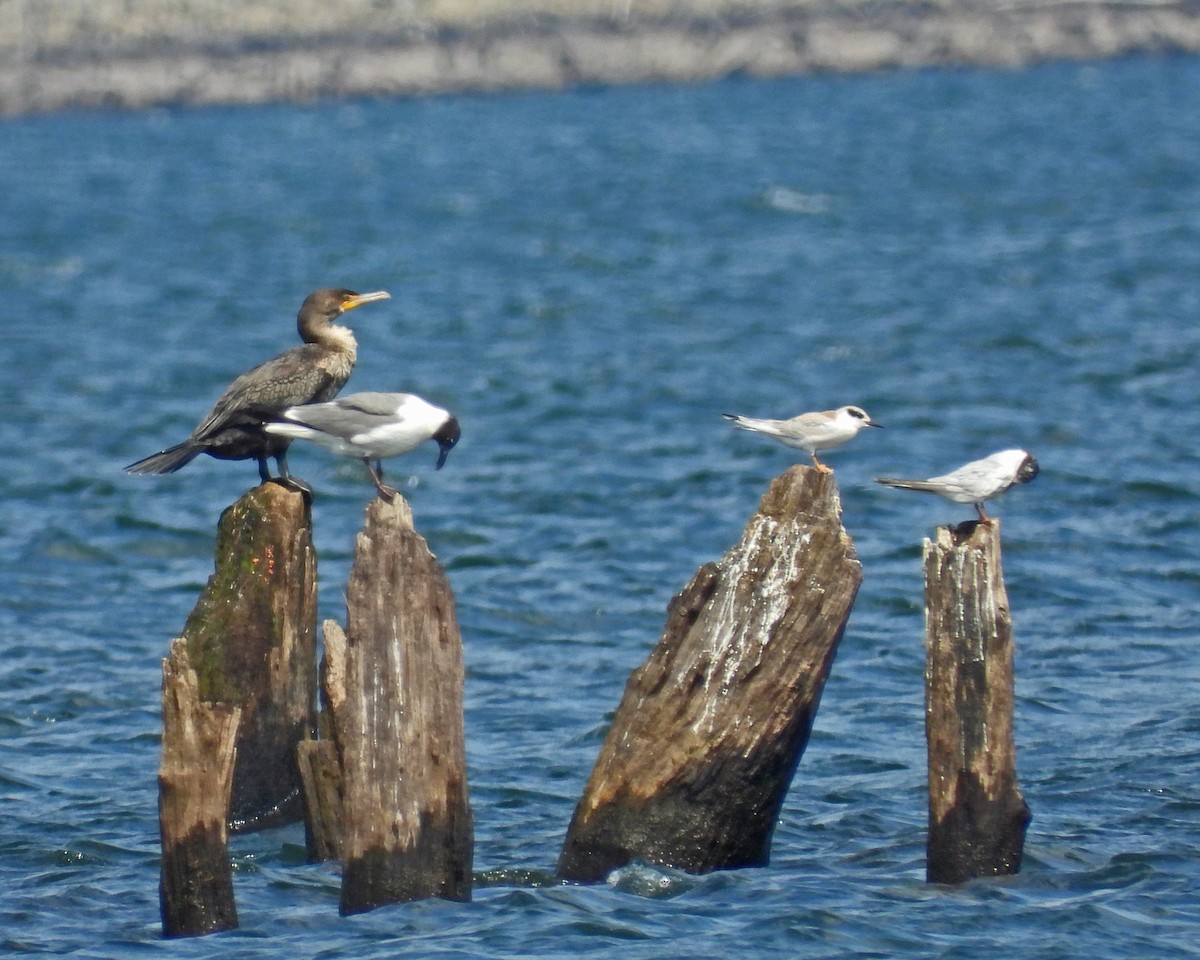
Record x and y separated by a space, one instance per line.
313 372
370 426
976 481
811 432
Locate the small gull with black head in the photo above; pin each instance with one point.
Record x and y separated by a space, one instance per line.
370 426
976 481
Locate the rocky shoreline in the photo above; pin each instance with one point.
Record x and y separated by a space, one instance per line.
558 52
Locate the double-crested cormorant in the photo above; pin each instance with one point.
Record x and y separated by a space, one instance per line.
310 373
811 432
370 426
976 481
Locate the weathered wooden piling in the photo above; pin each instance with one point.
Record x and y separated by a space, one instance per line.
393 693
321 776
251 639
977 816
702 750
195 777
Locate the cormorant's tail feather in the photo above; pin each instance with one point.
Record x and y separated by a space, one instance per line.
922 485
169 460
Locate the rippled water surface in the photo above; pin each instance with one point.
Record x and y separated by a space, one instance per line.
589 280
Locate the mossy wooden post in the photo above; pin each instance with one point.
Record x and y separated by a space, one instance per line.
711 728
252 642
977 816
195 776
394 690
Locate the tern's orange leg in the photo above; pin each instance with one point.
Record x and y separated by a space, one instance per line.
820 466
983 517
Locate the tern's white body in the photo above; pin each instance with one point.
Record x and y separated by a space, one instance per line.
370 426
977 481
811 432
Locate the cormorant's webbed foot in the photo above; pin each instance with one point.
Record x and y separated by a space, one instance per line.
295 483
286 479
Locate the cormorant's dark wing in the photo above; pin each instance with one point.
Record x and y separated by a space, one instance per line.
294 377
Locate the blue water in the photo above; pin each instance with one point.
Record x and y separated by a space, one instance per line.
589 279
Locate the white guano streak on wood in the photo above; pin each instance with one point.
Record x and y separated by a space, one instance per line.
733 628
